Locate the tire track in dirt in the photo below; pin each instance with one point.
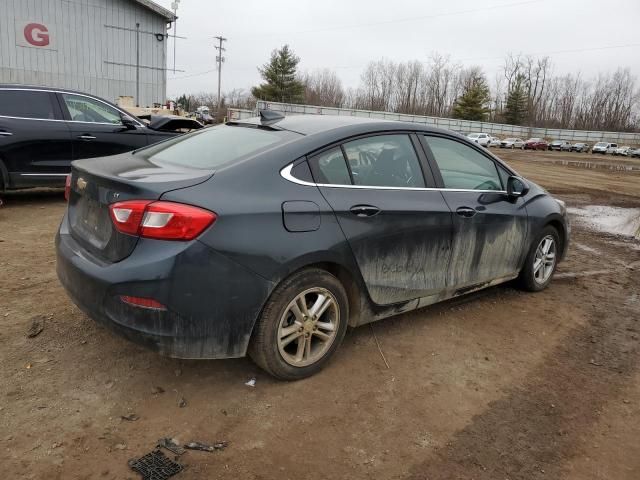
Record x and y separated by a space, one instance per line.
536 427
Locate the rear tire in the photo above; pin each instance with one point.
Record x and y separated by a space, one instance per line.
541 261
301 325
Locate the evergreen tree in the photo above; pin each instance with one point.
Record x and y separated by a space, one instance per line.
515 112
472 104
282 83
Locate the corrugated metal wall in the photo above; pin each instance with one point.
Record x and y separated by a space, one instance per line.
83 40
461 126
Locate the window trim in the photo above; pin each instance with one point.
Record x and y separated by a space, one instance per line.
424 153
62 111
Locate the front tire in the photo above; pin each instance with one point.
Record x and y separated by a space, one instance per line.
301 325
541 261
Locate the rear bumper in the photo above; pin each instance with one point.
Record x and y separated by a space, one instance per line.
212 302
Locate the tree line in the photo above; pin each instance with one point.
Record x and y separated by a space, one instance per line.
524 92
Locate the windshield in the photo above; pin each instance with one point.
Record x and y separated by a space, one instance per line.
601 144
211 147
473 135
534 140
510 140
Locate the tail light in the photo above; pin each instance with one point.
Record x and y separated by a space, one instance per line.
67 187
143 302
160 220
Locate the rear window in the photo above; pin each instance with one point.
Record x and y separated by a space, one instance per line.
215 146
26 104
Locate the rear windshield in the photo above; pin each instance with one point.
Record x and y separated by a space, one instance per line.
215 146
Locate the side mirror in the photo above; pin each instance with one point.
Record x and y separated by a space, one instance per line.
517 187
128 122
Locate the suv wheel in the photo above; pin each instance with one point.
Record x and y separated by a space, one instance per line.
541 261
301 325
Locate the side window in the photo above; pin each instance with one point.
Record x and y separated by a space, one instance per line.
384 161
26 104
85 109
330 168
463 167
302 172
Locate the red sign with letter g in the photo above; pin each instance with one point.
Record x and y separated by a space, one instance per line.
36 34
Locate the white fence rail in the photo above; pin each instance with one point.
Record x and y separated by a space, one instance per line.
461 126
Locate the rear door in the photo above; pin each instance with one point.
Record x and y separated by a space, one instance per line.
97 128
398 229
35 143
489 228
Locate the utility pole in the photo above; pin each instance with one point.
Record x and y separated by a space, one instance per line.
219 59
174 6
137 64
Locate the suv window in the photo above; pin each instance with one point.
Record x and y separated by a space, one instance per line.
330 168
26 104
85 109
384 161
463 167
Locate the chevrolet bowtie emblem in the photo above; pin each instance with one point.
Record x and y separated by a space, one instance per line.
81 183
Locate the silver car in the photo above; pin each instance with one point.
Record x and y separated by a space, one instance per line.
512 143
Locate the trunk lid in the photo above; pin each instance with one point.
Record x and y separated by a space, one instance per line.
99 182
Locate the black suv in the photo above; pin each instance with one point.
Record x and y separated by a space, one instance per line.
43 129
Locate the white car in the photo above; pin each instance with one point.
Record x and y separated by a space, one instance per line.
494 142
480 138
512 143
604 148
624 151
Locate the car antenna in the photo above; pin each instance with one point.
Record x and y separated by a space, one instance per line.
269 117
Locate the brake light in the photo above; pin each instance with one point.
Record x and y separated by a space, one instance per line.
67 188
160 220
142 302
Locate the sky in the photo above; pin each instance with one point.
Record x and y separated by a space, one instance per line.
580 36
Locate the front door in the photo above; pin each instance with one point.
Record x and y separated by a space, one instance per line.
97 128
399 231
35 142
489 228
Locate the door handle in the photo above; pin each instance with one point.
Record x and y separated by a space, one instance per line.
87 136
365 210
466 212
5 134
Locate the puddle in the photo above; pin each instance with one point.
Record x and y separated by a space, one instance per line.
614 220
617 167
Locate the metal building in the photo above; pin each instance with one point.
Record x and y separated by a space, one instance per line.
109 48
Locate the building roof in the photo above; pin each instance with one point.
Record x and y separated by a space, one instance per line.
154 7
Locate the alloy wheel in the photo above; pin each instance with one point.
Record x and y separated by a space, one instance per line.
308 327
545 260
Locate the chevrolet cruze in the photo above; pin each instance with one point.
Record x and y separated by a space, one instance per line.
270 236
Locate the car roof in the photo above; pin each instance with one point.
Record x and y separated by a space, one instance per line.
20 86
314 124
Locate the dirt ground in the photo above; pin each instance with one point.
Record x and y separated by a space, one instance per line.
499 385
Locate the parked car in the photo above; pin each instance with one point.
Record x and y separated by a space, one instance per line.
622 151
560 145
269 236
635 153
494 142
536 144
580 147
43 129
512 143
480 138
604 148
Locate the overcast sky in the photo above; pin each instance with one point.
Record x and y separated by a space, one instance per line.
344 35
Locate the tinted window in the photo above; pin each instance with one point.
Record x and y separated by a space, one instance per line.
214 146
85 109
329 167
463 167
384 161
302 172
26 104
